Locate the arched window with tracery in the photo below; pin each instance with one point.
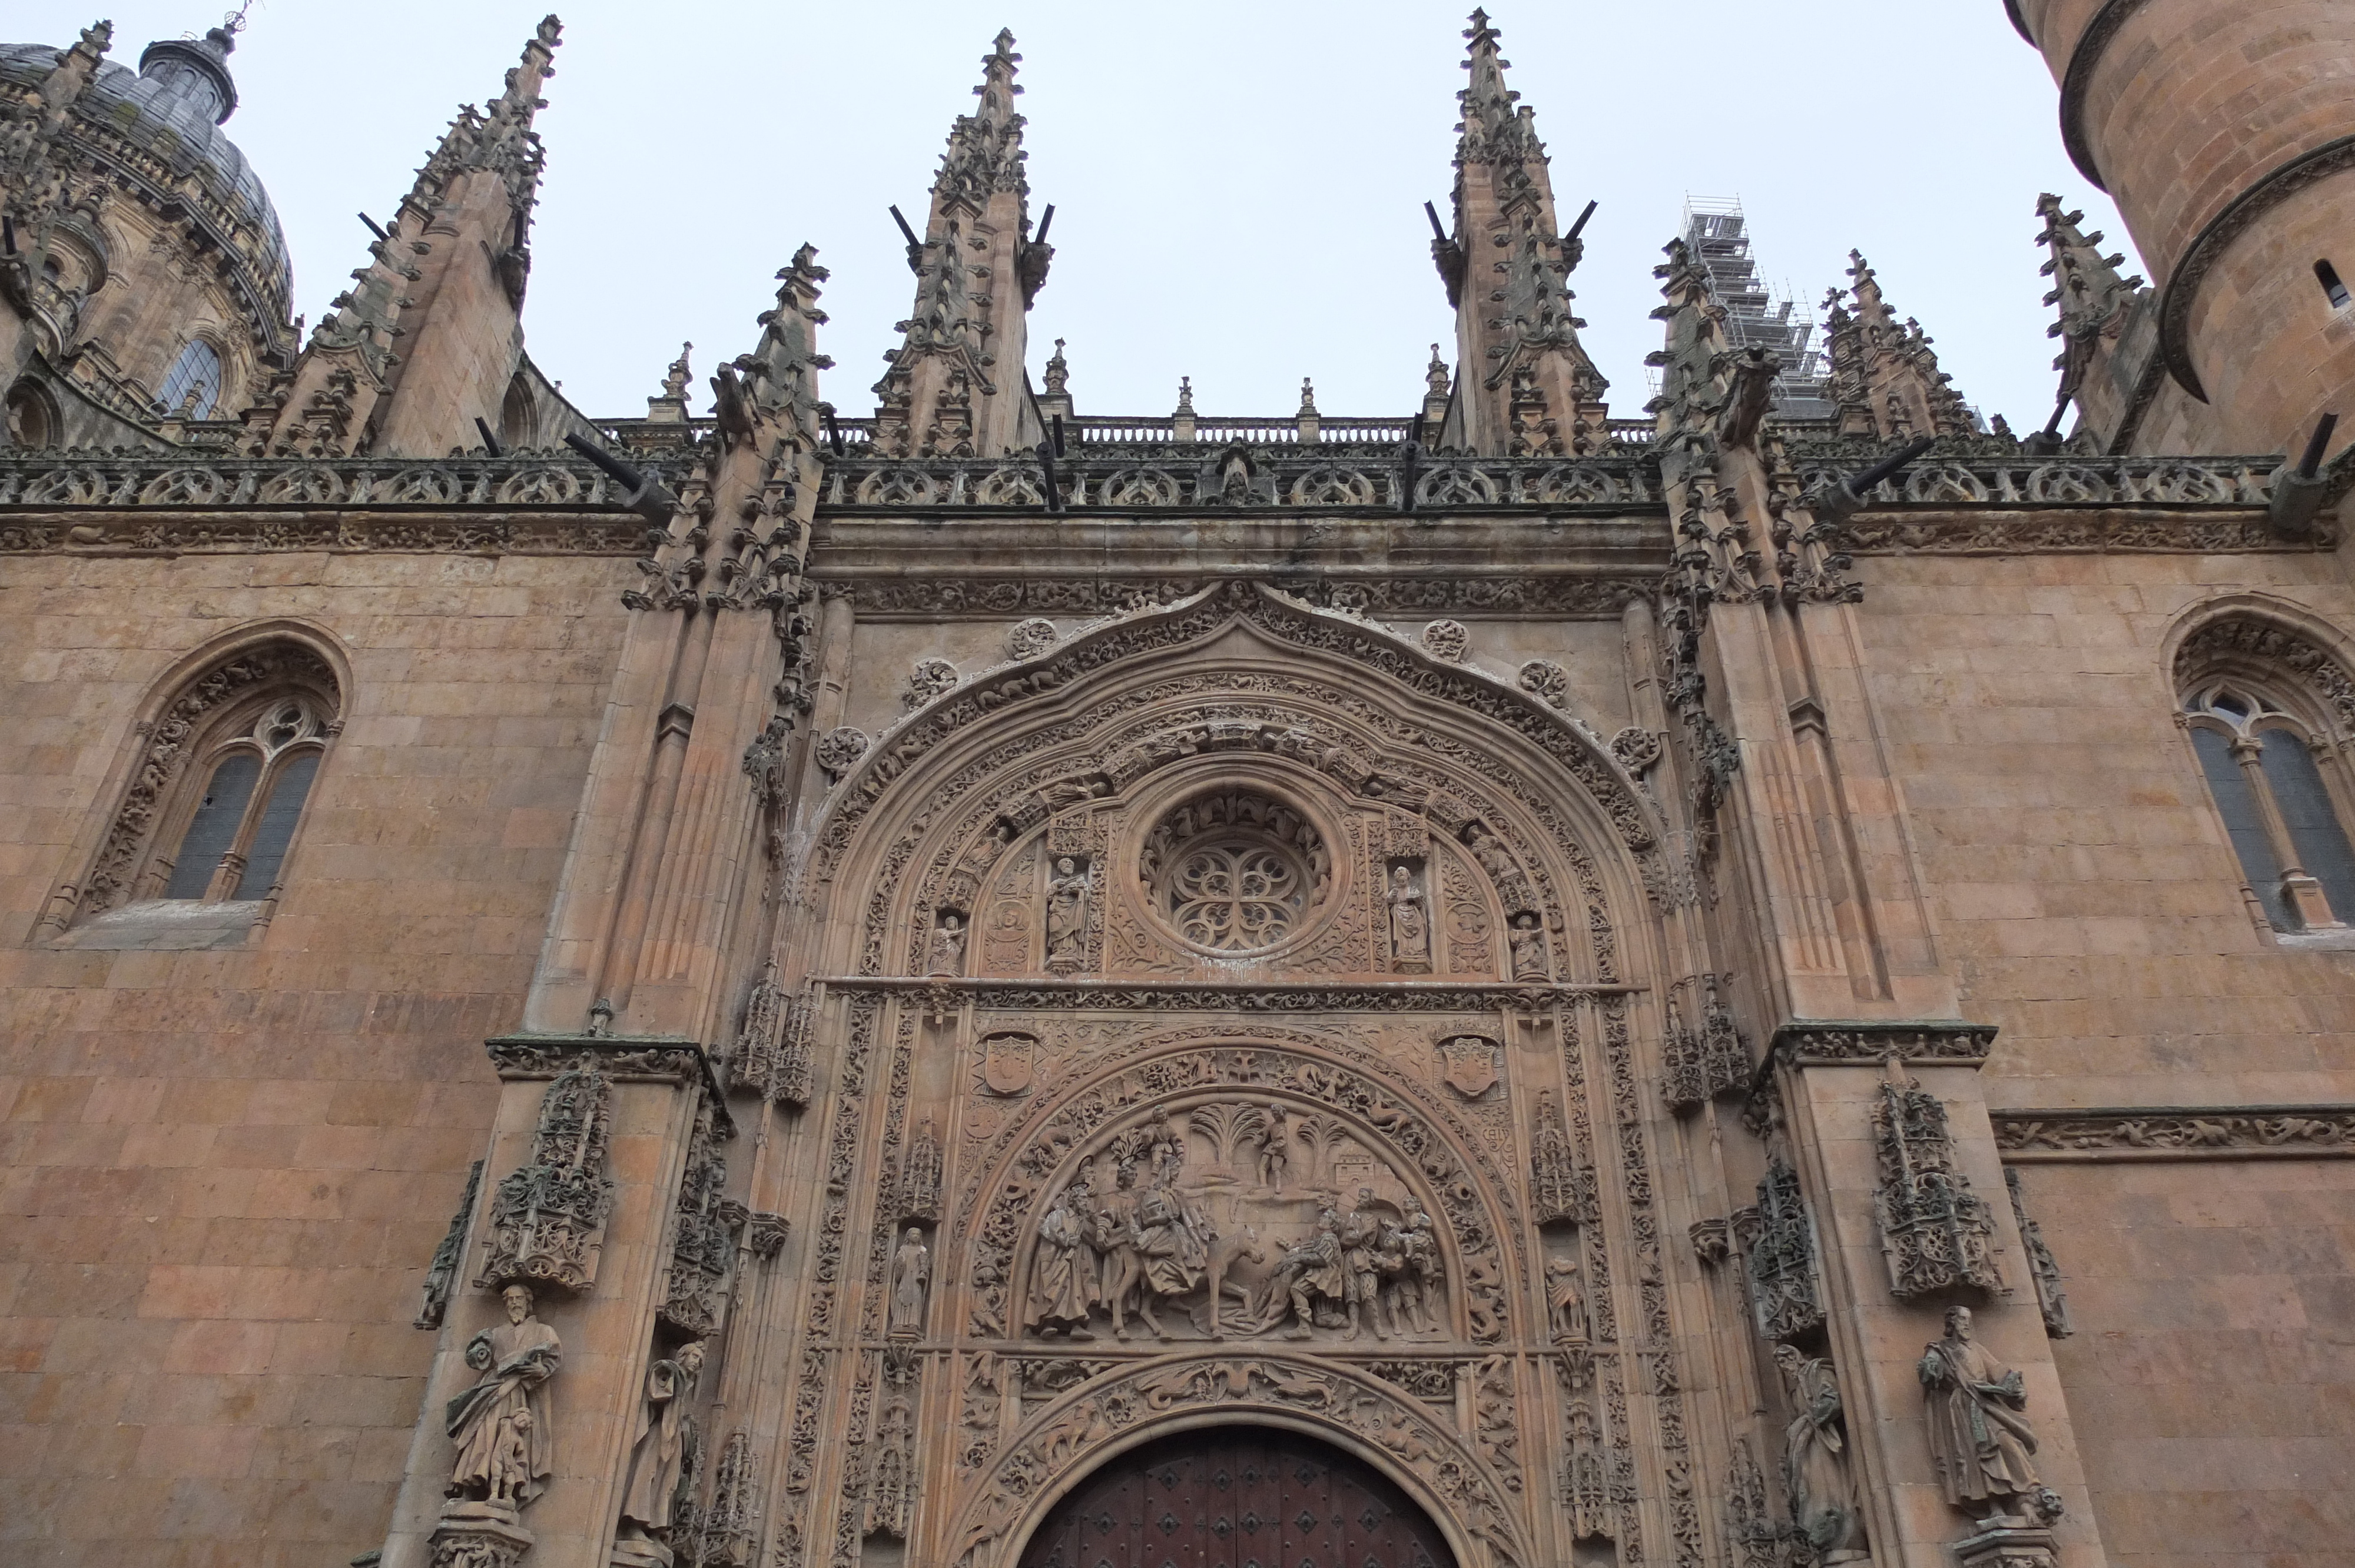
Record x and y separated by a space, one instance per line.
220 786
193 385
2271 714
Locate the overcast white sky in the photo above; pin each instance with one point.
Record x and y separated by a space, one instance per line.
1239 187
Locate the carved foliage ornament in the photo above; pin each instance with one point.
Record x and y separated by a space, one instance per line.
547 1217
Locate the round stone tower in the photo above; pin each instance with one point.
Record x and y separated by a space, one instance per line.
2225 131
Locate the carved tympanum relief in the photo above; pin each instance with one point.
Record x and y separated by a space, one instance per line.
1232 1217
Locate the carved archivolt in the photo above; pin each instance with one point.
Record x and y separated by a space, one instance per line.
1341 1404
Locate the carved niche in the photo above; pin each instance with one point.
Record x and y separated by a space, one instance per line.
1936 1233
548 1217
1235 1191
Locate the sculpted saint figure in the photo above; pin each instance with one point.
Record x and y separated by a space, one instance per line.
1067 911
1305 1274
1563 1299
1410 921
1421 1243
1815 1458
1978 1440
1063 1279
500 1426
666 1436
1529 945
1115 1248
947 951
911 1277
1361 1269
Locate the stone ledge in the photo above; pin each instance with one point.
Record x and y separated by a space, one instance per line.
2034 1137
1869 1042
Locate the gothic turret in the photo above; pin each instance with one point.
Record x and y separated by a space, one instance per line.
1524 385
420 356
955 386
1885 377
2101 364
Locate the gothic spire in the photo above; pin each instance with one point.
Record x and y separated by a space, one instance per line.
954 388
1885 378
1526 386
354 389
2093 299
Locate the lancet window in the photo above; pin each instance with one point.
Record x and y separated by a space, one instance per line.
194 382
2264 714
220 790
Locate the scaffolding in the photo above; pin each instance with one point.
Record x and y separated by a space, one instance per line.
1715 232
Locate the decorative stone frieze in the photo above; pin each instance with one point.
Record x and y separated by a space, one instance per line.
2043 1268
1862 1043
1705 1058
1119 996
441 1274
706 1226
1778 1245
1582 596
548 1217
2175 1132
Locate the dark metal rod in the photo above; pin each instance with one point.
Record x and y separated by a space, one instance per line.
904 228
490 441
1438 230
1047 471
833 431
1887 466
1058 435
1045 222
8 236
374 227
2315 444
612 467
2052 424
1580 224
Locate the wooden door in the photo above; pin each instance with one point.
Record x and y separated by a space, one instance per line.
1237 1497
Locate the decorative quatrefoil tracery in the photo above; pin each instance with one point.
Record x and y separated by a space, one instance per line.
1234 872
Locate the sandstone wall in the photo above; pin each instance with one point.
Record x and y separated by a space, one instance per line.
2091 907
223 1173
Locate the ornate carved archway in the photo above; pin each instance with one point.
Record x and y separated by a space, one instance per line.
1237 1496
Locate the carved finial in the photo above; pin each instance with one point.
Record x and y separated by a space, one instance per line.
1184 394
1308 396
674 379
1059 372
1435 374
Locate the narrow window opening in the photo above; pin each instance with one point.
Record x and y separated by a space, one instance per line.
195 383
271 834
2327 276
212 832
2323 852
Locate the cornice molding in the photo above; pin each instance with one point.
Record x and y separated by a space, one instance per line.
1869 1042
2092 44
1151 996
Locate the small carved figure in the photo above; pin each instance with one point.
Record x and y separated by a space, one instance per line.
1274 1155
1306 1273
515 1360
1115 1248
1362 1272
1980 1441
947 954
1410 923
1531 961
1401 1287
1063 1279
664 1446
1566 1302
1165 1150
912 1278
1421 1244
1067 912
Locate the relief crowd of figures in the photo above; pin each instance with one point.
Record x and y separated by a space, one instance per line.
1146 1245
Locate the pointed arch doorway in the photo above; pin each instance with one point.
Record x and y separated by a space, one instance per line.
1236 1497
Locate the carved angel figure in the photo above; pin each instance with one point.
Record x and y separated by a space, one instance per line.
946 952
1980 1441
500 1426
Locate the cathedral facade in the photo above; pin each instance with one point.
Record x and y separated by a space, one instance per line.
1759 982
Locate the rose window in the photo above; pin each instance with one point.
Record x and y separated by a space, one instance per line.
1235 872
